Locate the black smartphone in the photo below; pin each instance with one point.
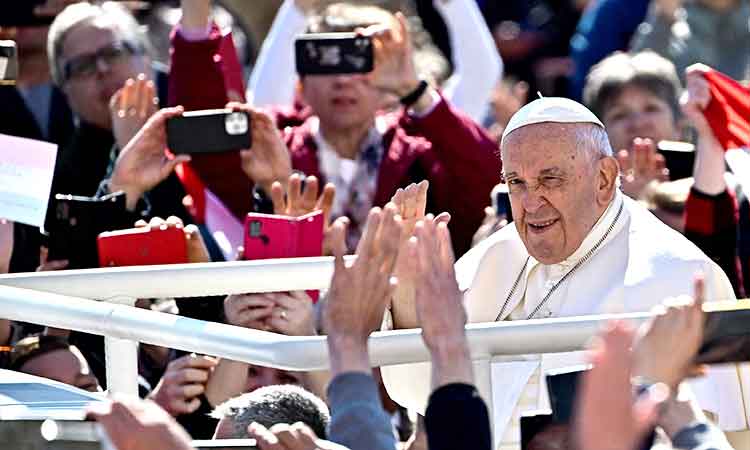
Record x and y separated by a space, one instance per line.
726 336
8 63
679 157
20 13
75 222
333 54
209 131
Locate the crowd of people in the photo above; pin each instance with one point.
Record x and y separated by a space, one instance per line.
503 161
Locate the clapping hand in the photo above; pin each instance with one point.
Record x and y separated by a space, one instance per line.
640 166
668 343
131 106
360 291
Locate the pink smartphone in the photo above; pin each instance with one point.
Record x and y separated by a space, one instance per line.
270 236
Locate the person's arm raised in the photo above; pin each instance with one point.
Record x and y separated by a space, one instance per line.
354 307
143 163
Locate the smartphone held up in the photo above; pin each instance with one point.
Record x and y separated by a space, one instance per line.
333 54
209 131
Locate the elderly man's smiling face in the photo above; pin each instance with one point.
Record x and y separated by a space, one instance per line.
559 186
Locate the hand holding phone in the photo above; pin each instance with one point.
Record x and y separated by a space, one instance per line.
271 236
333 54
143 247
209 131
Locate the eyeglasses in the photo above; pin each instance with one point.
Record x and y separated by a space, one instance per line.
85 66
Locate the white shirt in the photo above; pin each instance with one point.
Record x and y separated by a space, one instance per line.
639 263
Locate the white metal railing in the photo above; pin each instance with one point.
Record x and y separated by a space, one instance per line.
181 280
37 298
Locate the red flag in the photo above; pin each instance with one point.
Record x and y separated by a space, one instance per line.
728 113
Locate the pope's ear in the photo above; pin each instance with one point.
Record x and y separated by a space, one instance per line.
609 170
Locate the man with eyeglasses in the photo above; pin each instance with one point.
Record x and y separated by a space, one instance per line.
93 50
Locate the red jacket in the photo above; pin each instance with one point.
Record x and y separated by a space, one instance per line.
712 223
444 147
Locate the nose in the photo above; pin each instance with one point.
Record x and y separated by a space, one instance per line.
639 123
532 201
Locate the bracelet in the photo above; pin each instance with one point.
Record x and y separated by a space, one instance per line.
412 97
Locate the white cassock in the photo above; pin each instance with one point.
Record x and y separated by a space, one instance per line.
632 262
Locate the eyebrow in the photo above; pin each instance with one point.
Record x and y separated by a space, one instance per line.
550 171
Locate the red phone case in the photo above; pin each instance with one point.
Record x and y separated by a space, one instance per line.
270 236
142 247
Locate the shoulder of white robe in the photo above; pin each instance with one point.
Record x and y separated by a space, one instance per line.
500 243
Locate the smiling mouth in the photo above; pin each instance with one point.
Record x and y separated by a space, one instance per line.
540 227
344 101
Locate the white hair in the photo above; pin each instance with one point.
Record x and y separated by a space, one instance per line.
112 14
594 138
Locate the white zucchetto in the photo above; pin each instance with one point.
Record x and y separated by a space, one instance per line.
551 109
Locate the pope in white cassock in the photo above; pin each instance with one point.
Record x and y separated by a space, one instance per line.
578 246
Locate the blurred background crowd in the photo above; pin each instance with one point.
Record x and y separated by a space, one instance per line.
101 79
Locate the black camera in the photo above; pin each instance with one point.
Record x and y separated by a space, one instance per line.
333 54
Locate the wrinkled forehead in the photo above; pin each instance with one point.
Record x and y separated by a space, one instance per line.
542 141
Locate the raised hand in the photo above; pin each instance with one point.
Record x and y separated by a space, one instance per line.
143 162
640 166
696 97
411 203
360 292
184 380
666 346
394 72
617 423
438 301
196 248
134 424
298 202
131 106
268 159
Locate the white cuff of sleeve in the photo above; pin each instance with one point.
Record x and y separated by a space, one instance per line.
435 100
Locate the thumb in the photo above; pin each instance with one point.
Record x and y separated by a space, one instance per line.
170 164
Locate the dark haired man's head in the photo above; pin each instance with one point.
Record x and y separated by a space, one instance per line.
268 406
635 95
54 358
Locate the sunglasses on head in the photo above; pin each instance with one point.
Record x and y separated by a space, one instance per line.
86 65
